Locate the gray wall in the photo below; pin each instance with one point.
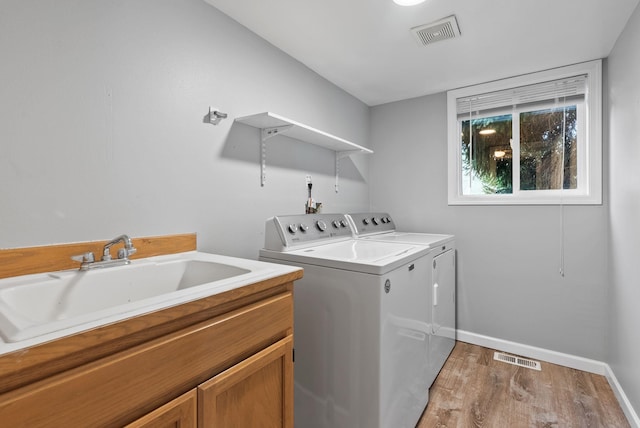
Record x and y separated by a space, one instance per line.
624 113
509 285
101 133
101 126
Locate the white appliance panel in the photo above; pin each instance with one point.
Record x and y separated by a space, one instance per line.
405 344
362 352
443 314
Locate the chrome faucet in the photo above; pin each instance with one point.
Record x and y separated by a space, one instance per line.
123 253
88 259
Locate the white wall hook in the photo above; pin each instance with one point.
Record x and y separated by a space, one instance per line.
215 116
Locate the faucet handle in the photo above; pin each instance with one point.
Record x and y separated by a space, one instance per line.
84 258
124 253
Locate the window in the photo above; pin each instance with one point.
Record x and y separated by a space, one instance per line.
533 139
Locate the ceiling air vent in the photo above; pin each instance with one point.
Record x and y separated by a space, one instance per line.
446 28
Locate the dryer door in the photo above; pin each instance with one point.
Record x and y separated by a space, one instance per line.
443 321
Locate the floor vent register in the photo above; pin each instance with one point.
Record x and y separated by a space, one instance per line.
517 361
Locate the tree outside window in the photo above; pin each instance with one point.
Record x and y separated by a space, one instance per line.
547 151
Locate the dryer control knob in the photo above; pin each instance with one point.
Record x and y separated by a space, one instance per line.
292 228
375 220
365 221
304 227
321 225
335 223
343 223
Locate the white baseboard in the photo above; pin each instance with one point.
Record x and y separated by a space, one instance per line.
567 360
627 408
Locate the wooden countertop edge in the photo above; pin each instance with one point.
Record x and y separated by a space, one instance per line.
52 258
24 366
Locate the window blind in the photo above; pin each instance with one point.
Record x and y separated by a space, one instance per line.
573 88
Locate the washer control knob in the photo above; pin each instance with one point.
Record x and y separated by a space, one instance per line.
343 223
365 221
387 220
335 223
292 228
375 220
303 227
321 225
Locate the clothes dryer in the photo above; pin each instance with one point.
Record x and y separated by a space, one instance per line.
380 227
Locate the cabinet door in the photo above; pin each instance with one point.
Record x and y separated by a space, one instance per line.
178 413
257 392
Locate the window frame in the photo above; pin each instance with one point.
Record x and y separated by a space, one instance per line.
589 191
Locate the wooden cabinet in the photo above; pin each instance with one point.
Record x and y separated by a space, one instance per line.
232 369
255 392
178 413
262 383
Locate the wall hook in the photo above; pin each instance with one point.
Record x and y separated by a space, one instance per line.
215 116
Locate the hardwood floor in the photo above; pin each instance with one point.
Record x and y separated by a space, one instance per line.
473 390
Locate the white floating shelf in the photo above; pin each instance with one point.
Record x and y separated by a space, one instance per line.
301 132
273 124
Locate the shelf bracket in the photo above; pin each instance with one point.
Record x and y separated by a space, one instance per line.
273 131
271 124
341 155
267 133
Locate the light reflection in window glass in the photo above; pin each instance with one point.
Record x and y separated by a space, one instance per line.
487 159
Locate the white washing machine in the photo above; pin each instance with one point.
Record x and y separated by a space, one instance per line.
380 227
361 333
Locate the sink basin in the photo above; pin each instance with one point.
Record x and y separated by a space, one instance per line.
35 305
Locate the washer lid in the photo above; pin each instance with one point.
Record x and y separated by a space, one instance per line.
356 255
431 240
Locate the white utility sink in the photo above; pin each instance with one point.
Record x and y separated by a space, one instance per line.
35 305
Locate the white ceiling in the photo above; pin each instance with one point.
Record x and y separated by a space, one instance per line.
366 47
